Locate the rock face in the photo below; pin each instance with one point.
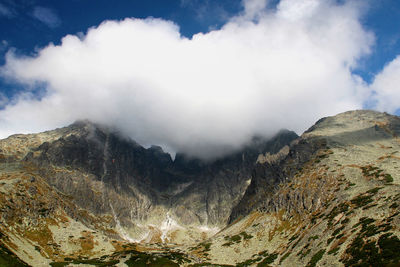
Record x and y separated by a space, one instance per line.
218 186
105 173
266 176
333 200
348 129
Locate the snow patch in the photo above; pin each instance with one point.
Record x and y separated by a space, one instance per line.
167 225
205 228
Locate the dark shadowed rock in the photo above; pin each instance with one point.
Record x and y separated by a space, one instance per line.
197 192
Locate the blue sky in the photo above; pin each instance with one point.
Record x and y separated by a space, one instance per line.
22 30
190 65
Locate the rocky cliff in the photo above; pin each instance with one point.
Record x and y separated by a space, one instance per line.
116 175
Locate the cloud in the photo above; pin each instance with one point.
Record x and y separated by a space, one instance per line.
254 8
386 87
264 70
207 12
3 45
47 16
3 100
5 11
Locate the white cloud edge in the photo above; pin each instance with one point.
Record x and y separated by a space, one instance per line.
219 127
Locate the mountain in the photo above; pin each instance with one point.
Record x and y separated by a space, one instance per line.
86 194
116 189
335 203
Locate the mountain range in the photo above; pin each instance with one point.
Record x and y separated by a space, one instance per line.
86 194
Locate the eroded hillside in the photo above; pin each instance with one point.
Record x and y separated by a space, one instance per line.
330 198
337 203
83 190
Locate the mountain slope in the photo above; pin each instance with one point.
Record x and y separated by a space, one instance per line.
330 198
336 203
102 191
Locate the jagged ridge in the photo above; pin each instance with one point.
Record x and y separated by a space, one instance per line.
332 198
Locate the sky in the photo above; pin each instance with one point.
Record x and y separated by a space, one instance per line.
198 77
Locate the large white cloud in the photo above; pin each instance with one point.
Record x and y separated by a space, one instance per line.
264 70
386 87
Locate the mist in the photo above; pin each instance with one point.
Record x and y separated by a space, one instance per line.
265 69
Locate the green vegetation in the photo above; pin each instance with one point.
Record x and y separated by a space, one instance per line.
316 216
59 264
385 252
247 262
236 239
369 229
388 178
390 248
339 236
365 198
207 264
367 251
301 251
205 247
94 262
284 257
385 227
375 172
374 190
364 221
338 230
294 237
136 259
143 260
370 171
8 258
330 240
268 260
345 221
245 236
169 259
333 251
301 254
317 257
341 208
297 242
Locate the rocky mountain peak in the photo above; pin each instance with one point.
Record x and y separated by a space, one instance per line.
353 122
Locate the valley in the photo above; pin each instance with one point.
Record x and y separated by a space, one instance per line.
84 194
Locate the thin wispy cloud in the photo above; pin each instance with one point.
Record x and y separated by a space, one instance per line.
46 16
264 70
6 11
3 45
206 11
